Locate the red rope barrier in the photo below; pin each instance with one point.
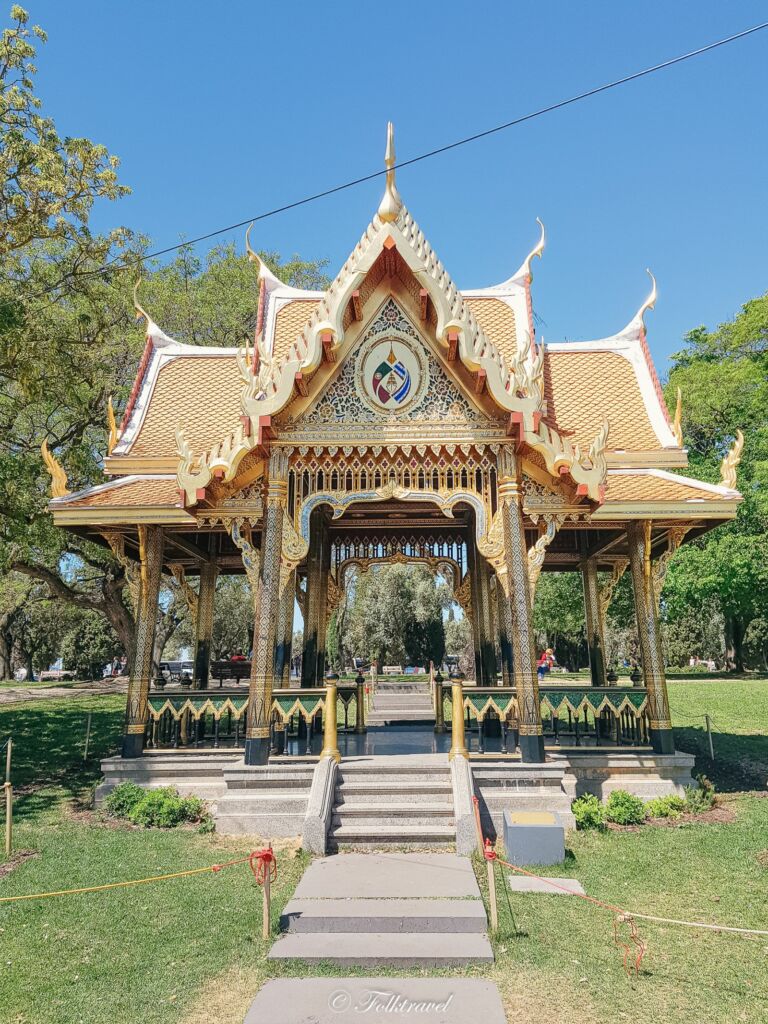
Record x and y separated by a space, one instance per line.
620 916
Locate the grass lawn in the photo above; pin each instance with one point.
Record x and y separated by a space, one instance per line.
189 951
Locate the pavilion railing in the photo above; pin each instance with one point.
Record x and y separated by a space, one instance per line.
218 719
574 716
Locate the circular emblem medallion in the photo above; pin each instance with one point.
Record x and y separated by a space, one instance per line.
391 374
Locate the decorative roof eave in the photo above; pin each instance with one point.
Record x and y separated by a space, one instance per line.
518 390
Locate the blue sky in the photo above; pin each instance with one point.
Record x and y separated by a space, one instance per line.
219 112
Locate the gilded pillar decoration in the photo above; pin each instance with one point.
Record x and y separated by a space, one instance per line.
649 633
659 568
267 606
151 571
312 603
594 621
477 612
116 542
322 609
504 625
284 626
548 528
204 625
487 645
520 618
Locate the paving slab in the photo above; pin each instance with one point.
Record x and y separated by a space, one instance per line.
389 876
350 915
376 1000
388 949
521 883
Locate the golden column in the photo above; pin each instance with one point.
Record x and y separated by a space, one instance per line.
151 565
649 634
477 612
204 624
284 625
518 614
595 622
487 645
313 602
504 619
267 605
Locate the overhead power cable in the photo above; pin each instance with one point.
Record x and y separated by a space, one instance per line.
115 262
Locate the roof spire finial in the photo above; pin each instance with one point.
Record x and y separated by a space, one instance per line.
649 303
140 312
391 203
537 250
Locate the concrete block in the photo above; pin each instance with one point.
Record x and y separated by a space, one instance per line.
534 837
374 949
343 1000
389 876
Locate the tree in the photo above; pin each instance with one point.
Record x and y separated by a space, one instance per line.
558 617
395 616
68 338
723 377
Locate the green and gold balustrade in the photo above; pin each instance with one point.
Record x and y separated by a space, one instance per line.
594 716
191 718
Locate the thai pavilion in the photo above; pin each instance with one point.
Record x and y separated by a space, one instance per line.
394 416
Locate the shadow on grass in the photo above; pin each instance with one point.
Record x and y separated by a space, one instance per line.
740 762
48 748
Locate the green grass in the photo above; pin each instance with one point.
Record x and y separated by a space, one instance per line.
189 950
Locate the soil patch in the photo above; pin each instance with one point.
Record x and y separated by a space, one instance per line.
16 859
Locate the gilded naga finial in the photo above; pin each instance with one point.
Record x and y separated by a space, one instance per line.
731 461
57 472
391 203
112 424
649 303
677 425
537 250
140 311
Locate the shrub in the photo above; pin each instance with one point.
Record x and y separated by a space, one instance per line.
123 798
589 812
158 808
623 808
701 797
665 807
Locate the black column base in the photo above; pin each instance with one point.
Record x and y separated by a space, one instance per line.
133 744
532 749
257 750
663 741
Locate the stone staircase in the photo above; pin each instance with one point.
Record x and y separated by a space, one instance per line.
405 801
265 800
395 910
401 703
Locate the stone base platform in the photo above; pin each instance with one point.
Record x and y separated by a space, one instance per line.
376 1000
645 775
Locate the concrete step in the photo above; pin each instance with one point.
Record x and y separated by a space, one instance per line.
404 717
379 834
366 915
263 803
407 792
446 949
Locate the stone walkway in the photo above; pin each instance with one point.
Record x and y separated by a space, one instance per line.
15 694
386 909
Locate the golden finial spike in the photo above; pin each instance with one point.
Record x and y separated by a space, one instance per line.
650 302
391 203
57 473
140 312
537 250
677 426
112 424
252 256
730 463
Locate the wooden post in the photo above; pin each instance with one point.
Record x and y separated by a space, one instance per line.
492 896
87 735
266 899
709 736
8 800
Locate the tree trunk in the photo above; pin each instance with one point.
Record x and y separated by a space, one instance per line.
120 619
734 643
5 656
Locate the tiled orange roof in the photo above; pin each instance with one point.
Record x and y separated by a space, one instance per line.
131 493
290 322
497 320
650 487
202 393
582 388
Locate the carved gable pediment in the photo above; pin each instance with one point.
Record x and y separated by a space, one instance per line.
390 385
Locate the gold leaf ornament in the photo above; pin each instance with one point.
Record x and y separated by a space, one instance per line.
57 472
